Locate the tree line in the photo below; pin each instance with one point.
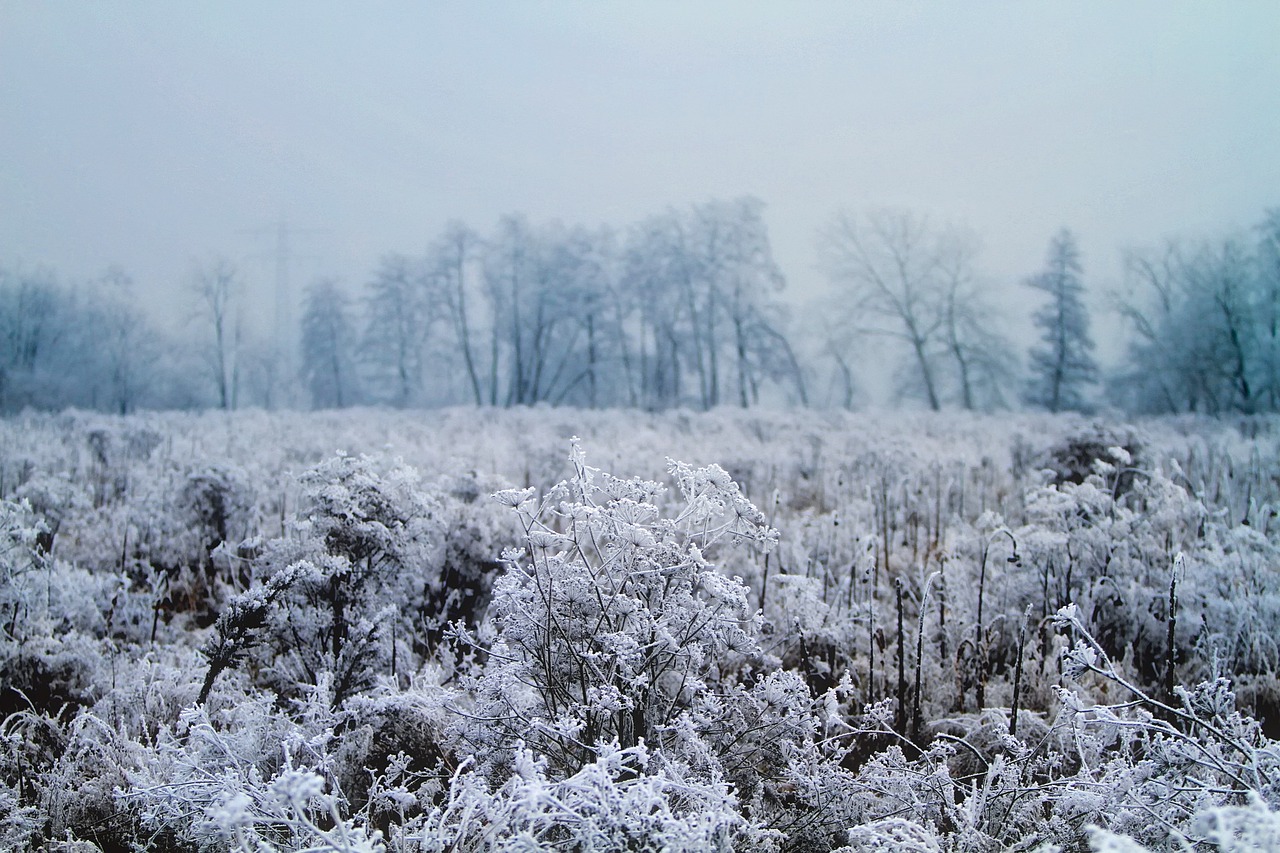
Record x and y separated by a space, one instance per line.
683 309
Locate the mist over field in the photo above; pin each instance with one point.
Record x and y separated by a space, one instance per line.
646 205
649 427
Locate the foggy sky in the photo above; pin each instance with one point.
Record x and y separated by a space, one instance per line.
150 134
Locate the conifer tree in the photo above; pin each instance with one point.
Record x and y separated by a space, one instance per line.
1062 365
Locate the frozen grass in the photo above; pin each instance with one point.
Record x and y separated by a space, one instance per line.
320 631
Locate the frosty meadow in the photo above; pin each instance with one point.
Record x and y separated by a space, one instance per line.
462 630
659 427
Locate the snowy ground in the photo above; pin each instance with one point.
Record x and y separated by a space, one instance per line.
457 630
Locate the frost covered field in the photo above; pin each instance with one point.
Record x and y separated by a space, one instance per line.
459 630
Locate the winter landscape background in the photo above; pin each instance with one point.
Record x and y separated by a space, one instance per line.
600 427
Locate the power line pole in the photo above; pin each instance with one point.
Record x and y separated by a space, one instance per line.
284 326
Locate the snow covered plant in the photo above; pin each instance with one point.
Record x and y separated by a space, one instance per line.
19 560
328 602
609 804
249 779
168 532
1159 770
239 625
610 624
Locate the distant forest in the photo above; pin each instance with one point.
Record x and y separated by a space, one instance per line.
683 309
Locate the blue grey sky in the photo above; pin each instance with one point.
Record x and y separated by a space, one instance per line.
147 134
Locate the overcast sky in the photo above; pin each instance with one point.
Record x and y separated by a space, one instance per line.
149 134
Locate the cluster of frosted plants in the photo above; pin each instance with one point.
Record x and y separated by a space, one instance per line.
850 633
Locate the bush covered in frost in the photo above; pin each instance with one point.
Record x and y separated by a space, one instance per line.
851 633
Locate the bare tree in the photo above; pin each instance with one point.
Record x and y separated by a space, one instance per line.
29 333
559 320
89 346
888 266
397 326
592 345
328 346
509 273
126 344
1268 307
217 288
708 312
840 341
1201 323
981 357
1225 276
651 275
451 260
1151 381
744 281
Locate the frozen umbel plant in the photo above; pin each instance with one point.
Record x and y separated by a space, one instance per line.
362 545
609 625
